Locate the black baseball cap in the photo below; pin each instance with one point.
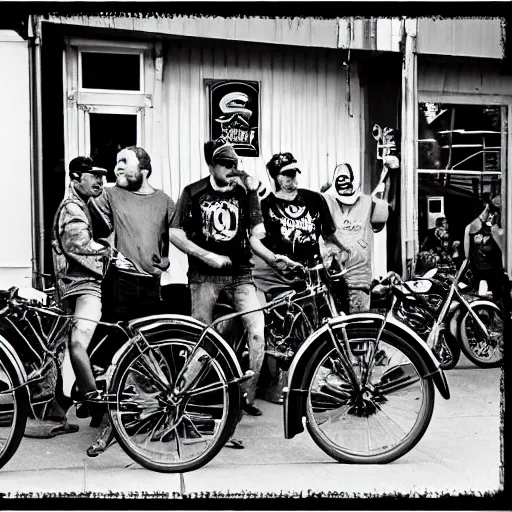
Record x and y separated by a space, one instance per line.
82 164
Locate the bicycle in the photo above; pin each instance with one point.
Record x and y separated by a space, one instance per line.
172 389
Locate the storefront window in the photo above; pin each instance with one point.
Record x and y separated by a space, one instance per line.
459 163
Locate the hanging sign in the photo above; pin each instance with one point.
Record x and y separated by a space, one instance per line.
234 114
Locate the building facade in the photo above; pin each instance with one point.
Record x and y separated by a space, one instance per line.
90 85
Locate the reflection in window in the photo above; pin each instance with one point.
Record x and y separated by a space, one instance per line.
459 162
111 71
109 134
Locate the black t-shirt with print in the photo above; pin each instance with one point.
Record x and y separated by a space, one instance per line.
294 227
219 222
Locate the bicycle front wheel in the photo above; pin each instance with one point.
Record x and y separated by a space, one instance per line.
379 423
163 434
13 410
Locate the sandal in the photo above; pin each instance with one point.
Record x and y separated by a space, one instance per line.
104 440
237 444
48 429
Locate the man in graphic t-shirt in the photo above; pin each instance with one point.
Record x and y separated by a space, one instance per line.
294 220
215 224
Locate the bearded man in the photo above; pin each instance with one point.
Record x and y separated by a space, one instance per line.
356 217
139 217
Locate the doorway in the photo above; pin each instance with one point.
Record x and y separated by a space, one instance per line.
108 134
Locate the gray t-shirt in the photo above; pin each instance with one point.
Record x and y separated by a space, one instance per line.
140 223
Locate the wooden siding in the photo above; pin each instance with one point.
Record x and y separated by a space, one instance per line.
15 146
462 37
284 31
303 109
380 34
462 77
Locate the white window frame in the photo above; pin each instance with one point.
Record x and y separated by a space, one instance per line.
84 127
111 50
79 102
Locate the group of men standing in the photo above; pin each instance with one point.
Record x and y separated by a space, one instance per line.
236 242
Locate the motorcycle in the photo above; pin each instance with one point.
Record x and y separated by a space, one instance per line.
435 308
417 303
484 348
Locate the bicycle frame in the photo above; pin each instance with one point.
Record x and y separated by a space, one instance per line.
315 287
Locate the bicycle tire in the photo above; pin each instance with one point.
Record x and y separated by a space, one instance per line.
314 405
163 458
16 419
468 341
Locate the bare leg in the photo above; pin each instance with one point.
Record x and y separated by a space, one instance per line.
87 313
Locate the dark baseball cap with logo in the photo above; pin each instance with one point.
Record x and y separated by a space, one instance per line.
82 164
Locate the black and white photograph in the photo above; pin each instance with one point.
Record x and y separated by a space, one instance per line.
255 250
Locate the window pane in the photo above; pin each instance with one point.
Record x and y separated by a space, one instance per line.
109 134
113 71
459 163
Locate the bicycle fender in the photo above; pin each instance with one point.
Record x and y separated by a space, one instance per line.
294 394
14 359
149 324
294 400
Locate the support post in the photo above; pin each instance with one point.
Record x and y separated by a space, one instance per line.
409 186
37 170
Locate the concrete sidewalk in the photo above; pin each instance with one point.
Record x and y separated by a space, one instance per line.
459 453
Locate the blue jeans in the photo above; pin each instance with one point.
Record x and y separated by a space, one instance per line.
204 291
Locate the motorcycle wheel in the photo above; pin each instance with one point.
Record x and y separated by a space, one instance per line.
13 410
164 436
380 425
484 352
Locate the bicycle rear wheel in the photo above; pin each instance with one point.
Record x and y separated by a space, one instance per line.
383 422
158 432
13 410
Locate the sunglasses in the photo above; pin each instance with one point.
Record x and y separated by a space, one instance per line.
228 164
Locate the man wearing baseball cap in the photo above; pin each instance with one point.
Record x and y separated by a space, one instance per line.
80 263
214 224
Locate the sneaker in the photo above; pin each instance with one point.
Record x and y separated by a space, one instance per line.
251 409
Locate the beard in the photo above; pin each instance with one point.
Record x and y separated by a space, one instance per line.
132 185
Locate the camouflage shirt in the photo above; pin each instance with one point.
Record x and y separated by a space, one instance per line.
79 262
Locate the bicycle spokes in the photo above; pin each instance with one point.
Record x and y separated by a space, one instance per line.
366 418
157 422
